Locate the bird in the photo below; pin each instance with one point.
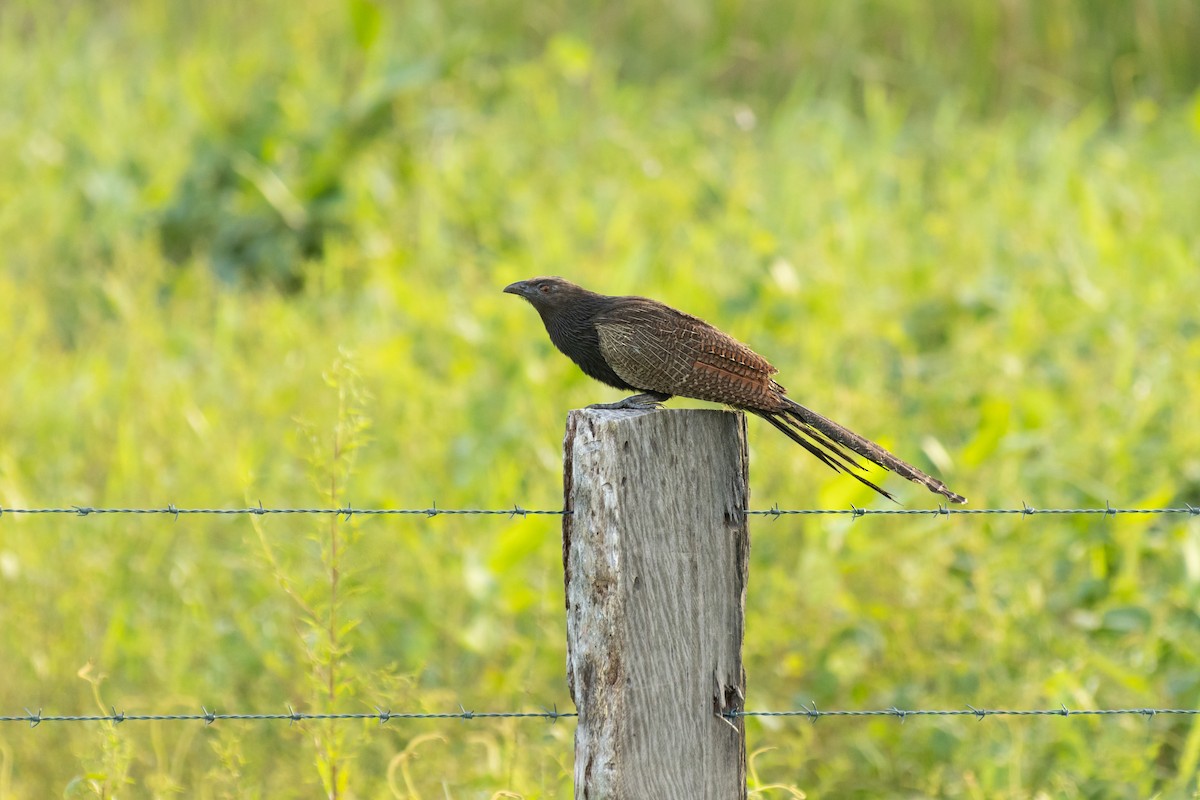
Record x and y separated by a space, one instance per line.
644 346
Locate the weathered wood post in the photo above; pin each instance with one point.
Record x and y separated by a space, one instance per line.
655 552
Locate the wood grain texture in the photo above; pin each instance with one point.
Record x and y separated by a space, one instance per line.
655 556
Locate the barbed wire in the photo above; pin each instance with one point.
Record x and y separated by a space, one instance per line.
814 713
517 511
291 716
347 511
1025 511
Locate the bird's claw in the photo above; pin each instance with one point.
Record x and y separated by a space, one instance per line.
637 402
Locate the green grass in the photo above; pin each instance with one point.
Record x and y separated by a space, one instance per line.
256 255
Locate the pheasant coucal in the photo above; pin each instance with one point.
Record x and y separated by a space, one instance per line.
638 344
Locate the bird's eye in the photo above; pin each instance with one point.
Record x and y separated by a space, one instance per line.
544 288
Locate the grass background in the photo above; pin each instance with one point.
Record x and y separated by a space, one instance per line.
255 253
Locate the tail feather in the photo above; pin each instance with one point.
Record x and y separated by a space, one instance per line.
831 456
829 441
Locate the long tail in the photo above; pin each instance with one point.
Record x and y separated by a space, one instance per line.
829 442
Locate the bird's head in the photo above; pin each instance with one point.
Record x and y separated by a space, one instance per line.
546 293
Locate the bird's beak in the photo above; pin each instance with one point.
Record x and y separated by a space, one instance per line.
520 288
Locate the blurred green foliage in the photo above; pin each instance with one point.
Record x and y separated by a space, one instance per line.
254 253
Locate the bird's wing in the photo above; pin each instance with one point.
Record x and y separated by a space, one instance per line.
656 348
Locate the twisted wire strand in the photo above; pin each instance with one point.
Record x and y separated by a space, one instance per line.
517 511
33 719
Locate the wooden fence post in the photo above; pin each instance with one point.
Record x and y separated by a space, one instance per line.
655 554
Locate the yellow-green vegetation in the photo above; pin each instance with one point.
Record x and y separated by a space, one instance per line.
254 252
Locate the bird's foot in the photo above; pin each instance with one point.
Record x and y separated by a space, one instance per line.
637 402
